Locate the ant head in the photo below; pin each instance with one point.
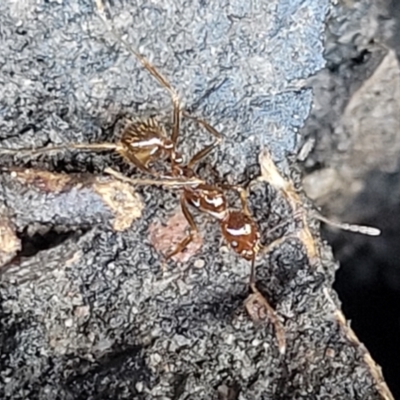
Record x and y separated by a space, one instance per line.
241 232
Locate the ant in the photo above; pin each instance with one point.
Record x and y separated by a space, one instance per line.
144 142
237 226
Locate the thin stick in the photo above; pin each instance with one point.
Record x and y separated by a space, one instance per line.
253 272
73 146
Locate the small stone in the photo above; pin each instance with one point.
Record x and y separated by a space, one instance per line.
230 339
155 359
81 311
69 322
199 264
139 386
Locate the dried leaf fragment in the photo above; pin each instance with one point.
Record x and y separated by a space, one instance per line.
9 242
261 311
271 175
122 199
44 180
164 238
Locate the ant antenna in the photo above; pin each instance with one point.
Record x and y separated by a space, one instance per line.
146 64
364 230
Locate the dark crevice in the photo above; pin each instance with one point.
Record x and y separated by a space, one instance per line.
90 380
368 281
36 239
44 238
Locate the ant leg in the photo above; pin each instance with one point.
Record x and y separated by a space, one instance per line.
258 308
119 148
146 64
149 67
193 229
253 273
210 129
164 181
365 230
202 153
177 119
74 146
243 197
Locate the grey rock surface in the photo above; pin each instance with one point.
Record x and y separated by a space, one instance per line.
93 315
352 172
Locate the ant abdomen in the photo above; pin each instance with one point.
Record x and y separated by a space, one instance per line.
241 232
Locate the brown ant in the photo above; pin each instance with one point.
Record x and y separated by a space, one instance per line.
238 227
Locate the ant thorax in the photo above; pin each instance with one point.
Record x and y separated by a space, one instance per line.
241 232
207 199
